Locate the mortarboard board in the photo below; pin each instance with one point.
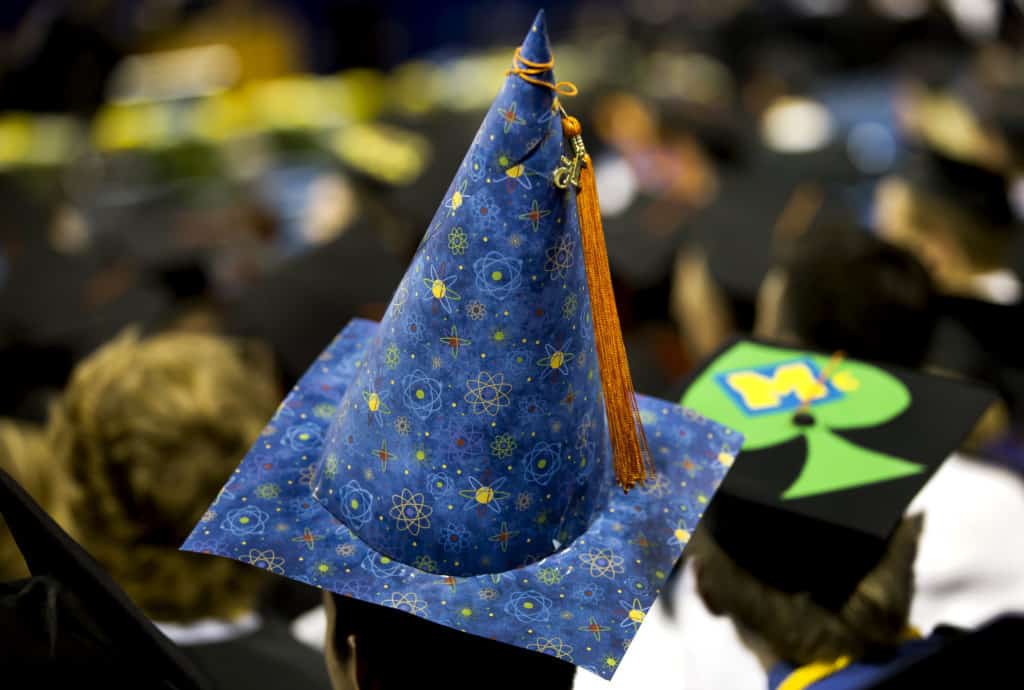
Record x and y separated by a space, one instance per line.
447 131
965 137
69 620
55 308
1007 113
835 450
455 460
979 191
971 340
296 306
778 197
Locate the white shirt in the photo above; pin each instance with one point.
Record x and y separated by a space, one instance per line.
970 568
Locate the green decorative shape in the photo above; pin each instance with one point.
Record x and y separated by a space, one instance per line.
860 466
708 398
878 398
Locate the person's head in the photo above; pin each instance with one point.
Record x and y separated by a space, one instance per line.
362 639
24 455
791 627
841 288
149 429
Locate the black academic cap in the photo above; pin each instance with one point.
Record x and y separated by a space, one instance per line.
69 621
979 191
971 339
778 197
77 302
642 241
1006 112
643 238
835 449
447 132
303 302
984 658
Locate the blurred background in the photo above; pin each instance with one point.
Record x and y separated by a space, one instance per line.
199 164
264 169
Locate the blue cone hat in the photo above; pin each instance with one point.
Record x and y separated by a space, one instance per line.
453 460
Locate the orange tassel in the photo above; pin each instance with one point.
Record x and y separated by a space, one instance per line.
631 456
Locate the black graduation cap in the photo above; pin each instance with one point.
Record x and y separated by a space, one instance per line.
972 340
56 308
644 235
300 304
1007 112
447 132
69 621
776 197
642 241
835 449
979 191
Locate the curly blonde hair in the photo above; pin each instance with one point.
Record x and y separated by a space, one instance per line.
24 454
874 617
150 429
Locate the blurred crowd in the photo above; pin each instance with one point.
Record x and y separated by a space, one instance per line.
197 195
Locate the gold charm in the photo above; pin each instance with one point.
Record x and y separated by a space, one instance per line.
569 172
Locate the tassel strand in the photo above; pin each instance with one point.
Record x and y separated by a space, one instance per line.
629 442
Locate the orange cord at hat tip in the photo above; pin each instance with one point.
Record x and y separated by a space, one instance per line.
528 70
571 126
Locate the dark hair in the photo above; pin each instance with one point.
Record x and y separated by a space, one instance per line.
395 649
848 290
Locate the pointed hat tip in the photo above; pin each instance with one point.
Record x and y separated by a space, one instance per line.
536 46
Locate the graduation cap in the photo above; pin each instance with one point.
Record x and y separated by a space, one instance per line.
69 619
458 461
412 206
978 191
778 197
1007 112
296 307
835 450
